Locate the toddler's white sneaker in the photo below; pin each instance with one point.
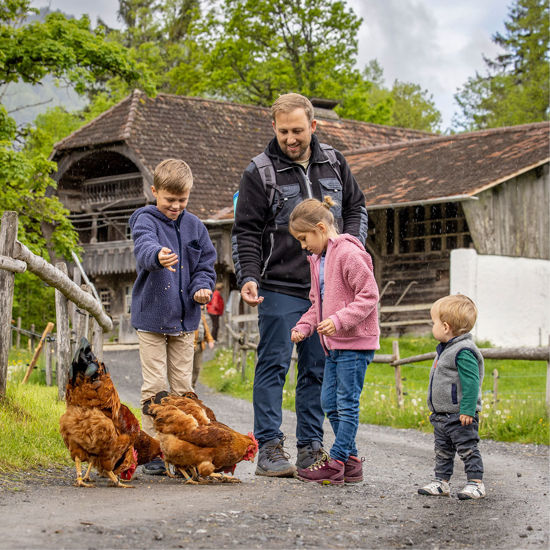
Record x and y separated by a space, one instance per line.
436 488
472 490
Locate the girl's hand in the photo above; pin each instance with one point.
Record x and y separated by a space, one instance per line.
202 296
466 420
167 258
296 336
326 327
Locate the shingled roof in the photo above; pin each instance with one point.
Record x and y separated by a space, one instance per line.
448 167
217 139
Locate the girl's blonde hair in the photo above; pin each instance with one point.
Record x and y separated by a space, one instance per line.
458 311
309 213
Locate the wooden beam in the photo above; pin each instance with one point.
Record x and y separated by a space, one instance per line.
9 264
37 351
61 282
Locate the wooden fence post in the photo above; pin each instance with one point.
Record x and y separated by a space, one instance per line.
8 236
548 377
18 337
97 332
63 355
495 387
244 353
398 382
37 351
48 365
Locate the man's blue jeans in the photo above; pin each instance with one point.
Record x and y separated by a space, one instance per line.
278 313
342 386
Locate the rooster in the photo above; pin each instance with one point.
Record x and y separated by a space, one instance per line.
194 442
96 427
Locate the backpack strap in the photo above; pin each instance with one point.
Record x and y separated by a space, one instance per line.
331 155
267 174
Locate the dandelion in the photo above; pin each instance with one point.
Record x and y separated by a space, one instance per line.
498 413
382 396
414 402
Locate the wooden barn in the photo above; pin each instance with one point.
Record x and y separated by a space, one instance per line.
489 190
105 172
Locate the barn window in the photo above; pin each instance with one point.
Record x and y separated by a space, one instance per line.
105 298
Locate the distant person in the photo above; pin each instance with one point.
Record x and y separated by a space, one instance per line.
175 274
272 272
203 338
215 309
454 397
344 299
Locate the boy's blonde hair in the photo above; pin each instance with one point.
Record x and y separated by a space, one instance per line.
309 213
458 311
290 102
173 175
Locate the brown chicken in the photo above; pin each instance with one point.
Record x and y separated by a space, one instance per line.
194 442
96 427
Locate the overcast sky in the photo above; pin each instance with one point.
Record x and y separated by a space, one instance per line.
435 43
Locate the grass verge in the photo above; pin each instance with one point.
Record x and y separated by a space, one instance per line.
519 415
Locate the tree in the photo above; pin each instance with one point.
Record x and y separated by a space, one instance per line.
267 47
413 108
68 50
515 89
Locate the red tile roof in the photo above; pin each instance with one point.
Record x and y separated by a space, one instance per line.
217 139
448 166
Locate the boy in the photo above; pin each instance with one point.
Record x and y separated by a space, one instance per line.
454 397
175 274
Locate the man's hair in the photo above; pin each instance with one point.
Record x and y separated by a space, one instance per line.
289 102
173 175
309 213
458 311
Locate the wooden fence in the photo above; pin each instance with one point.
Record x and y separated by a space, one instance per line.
242 329
17 258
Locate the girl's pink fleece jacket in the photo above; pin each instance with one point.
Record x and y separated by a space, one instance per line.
351 297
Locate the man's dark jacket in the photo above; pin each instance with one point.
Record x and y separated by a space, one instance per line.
263 249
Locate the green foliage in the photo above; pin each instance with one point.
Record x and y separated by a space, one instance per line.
413 108
515 89
519 415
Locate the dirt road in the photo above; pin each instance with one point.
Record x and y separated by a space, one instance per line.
384 511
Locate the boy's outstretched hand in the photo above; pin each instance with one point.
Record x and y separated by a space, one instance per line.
202 296
167 258
466 420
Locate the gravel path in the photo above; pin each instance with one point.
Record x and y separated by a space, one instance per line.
382 512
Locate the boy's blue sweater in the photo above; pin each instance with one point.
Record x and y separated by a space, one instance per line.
162 301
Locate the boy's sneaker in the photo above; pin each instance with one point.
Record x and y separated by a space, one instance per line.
273 460
325 471
436 488
308 454
155 468
472 490
353 472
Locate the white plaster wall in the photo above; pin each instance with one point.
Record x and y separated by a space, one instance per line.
512 296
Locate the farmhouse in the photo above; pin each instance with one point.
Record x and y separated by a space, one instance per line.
425 195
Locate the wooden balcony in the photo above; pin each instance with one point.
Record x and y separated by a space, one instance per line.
109 258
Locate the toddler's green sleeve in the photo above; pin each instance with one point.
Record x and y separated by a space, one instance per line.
468 372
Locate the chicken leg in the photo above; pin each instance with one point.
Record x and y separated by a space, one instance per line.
117 481
79 481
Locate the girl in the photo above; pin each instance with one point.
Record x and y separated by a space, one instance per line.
344 298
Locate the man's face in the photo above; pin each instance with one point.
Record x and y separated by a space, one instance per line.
170 204
293 132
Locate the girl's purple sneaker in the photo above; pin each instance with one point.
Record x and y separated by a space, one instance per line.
326 472
353 472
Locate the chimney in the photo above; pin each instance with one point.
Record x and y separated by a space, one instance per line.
324 108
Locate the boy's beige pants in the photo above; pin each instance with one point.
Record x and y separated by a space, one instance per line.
164 358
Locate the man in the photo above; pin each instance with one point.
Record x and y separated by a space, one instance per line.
273 272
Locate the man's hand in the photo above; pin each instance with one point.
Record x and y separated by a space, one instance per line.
202 296
326 327
249 293
466 420
167 258
296 336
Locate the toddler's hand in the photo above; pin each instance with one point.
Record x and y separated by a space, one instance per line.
466 420
167 258
211 345
202 296
326 327
296 336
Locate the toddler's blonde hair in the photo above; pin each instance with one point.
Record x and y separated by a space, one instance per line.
309 213
173 175
458 311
